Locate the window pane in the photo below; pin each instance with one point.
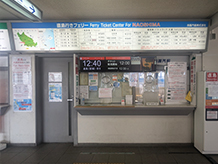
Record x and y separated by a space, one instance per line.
4 80
3 87
3 61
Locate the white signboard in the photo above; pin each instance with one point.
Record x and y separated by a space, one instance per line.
30 7
177 35
4 38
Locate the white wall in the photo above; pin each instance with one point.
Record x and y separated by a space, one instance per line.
210 58
135 129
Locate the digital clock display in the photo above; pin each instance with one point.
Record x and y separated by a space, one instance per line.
92 64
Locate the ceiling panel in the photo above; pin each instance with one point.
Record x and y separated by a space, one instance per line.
7 13
126 9
94 10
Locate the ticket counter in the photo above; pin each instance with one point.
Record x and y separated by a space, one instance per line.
113 99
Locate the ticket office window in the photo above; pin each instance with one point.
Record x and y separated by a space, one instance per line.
4 79
113 87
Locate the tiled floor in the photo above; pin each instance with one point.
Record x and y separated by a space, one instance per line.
69 154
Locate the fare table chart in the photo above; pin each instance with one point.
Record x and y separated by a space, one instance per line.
157 35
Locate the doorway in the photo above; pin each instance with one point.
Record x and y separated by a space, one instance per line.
56 85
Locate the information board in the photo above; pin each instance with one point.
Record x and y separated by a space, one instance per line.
4 38
155 35
212 90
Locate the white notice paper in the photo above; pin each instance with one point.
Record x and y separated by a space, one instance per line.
22 77
21 64
22 91
213 90
211 114
22 83
105 93
176 85
84 91
55 76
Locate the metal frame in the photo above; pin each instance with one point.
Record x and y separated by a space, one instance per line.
30 16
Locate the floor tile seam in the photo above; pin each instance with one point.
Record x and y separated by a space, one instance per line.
84 162
55 153
22 160
53 149
183 162
101 162
134 154
25 153
46 150
7 159
32 155
192 160
59 158
166 162
43 158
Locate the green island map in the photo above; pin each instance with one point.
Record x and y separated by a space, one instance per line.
27 40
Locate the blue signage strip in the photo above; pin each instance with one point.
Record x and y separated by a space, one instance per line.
147 24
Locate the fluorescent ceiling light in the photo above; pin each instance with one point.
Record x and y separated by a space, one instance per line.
26 8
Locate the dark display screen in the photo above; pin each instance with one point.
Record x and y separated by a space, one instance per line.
92 64
115 64
120 64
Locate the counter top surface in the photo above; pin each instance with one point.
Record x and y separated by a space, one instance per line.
3 109
167 109
135 106
4 106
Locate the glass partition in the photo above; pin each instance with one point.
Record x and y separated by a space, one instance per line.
4 97
123 88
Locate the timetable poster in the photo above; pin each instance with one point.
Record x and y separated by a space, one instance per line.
146 35
22 83
4 38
